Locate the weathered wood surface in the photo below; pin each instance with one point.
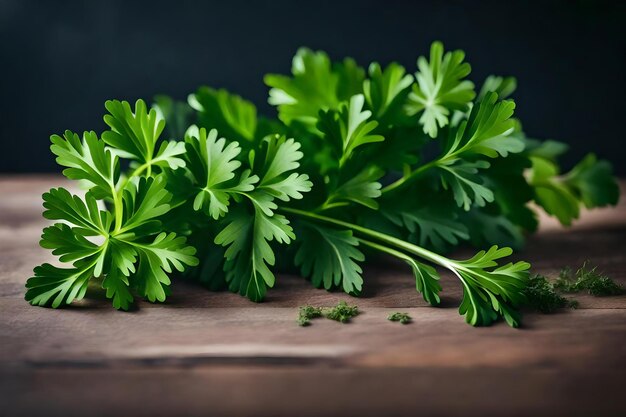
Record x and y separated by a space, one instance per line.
214 354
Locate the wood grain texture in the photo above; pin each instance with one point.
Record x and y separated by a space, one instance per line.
217 354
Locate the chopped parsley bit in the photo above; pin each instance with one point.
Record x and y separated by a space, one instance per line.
342 312
307 313
403 318
541 296
589 279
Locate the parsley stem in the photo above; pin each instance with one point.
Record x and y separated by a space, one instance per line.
381 237
385 249
117 195
406 179
328 204
118 208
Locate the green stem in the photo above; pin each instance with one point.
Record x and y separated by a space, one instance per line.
386 249
407 179
118 209
328 204
381 237
117 194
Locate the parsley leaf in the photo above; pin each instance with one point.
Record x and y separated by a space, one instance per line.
134 134
212 164
433 226
503 86
440 88
349 127
363 188
315 86
248 254
466 184
246 237
489 293
486 132
386 89
87 160
329 258
593 183
230 114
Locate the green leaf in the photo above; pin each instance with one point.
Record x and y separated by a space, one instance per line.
589 182
487 131
67 243
177 115
551 194
329 257
435 226
315 86
144 202
548 149
440 88
362 188
503 86
426 277
53 287
212 163
351 78
157 258
426 281
488 229
117 288
466 184
123 256
59 204
87 160
230 114
248 254
385 88
282 156
488 294
348 128
135 134
593 181
512 194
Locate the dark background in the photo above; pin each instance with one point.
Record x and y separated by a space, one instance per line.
59 61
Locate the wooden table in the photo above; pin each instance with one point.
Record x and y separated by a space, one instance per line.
214 354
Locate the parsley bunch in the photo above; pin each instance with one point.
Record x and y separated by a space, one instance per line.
358 162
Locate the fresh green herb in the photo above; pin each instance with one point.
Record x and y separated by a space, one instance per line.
342 312
403 318
587 279
345 170
541 296
307 313
126 243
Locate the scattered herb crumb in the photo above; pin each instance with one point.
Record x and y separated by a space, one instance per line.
541 296
307 313
587 279
403 318
342 312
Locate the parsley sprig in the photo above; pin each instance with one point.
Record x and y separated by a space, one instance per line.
125 243
384 160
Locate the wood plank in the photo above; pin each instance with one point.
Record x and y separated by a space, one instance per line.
218 390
